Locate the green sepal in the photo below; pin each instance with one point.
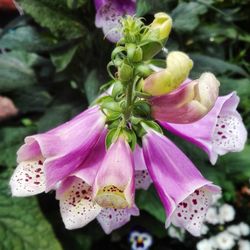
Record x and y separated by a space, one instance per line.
151 48
155 126
125 72
142 109
130 137
107 102
111 137
143 70
117 51
117 90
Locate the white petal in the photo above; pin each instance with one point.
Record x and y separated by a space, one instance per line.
230 134
28 178
191 213
111 219
76 206
142 179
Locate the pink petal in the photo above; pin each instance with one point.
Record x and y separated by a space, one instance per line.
28 178
89 168
111 219
76 205
219 132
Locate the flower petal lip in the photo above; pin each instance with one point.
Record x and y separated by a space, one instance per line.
189 103
111 219
76 205
114 184
204 132
176 179
65 147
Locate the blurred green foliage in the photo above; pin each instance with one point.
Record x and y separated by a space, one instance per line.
53 61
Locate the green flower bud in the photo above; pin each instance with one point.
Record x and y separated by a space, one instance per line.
134 53
125 72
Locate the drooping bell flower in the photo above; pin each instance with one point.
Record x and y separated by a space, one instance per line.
184 192
167 80
189 103
114 185
56 153
219 132
109 14
75 195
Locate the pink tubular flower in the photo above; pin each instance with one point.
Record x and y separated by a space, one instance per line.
189 103
219 132
184 192
109 13
114 183
57 153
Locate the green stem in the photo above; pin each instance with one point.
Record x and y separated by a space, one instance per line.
129 96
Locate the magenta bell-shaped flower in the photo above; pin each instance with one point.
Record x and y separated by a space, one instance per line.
184 192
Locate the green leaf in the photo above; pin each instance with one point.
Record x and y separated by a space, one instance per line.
62 59
74 4
22 224
11 139
149 201
31 99
92 85
217 66
186 16
52 15
15 71
26 38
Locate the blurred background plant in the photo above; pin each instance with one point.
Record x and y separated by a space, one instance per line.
52 63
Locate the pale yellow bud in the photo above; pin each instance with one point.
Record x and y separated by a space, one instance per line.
162 24
167 80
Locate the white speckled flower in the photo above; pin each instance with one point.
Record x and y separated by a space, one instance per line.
235 231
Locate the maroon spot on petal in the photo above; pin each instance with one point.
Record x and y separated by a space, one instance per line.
195 211
223 126
197 192
185 204
194 201
224 137
36 182
40 162
219 133
202 209
179 214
